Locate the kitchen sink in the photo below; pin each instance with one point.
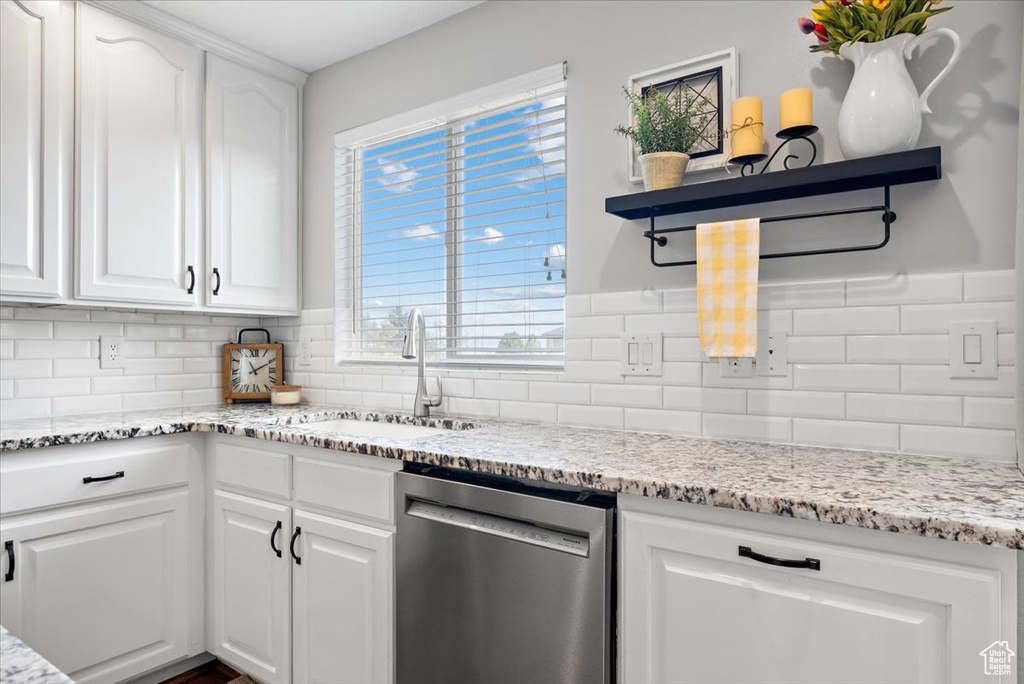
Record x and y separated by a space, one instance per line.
369 428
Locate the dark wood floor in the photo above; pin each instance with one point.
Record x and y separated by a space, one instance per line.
213 672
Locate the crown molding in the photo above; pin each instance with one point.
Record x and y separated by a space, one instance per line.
201 38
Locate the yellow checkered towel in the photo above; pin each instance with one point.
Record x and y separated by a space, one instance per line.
727 259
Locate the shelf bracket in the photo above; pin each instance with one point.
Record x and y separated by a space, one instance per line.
658 239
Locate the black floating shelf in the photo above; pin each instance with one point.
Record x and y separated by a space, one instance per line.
884 170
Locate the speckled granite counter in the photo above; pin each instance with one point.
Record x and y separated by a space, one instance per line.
965 500
19 664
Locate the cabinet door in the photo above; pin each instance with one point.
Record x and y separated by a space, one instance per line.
343 608
101 591
694 610
252 586
139 116
252 147
36 98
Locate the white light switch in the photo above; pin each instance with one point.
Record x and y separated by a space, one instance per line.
641 354
972 349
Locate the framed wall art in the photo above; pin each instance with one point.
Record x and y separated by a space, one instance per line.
713 77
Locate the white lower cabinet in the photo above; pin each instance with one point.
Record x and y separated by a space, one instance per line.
252 585
694 608
342 602
302 595
100 590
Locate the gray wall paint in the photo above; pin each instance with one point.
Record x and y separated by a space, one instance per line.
963 222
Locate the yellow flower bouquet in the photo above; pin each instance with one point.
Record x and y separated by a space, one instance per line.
837 22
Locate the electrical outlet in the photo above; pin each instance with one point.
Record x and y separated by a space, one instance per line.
772 358
737 367
305 348
111 351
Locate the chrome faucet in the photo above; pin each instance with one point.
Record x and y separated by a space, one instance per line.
414 348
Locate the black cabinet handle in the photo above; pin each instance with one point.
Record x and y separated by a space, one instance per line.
277 528
806 563
295 536
191 280
9 547
216 288
87 480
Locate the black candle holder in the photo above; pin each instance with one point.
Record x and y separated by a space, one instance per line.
787 135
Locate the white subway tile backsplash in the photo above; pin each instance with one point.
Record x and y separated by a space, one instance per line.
847 433
804 404
935 318
847 377
26 330
534 411
985 412
641 301
868 356
515 390
560 392
50 387
924 288
990 286
626 395
758 428
593 326
875 320
936 380
666 323
904 408
591 416
705 399
658 420
992 445
897 349
801 295
816 349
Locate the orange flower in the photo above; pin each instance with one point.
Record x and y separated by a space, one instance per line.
877 4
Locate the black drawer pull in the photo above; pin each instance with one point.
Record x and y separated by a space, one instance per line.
277 528
806 563
298 531
87 480
9 547
216 288
191 280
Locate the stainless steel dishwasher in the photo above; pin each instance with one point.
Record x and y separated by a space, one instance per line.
500 581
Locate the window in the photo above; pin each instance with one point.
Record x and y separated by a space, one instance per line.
459 210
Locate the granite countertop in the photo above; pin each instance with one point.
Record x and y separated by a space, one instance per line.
19 664
965 500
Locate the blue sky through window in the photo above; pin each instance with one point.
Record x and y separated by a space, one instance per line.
477 206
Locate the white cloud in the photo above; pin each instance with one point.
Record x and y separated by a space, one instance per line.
423 232
397 176
492 236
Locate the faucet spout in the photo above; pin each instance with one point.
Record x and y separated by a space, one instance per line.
413 347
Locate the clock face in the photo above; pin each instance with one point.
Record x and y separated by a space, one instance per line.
253 371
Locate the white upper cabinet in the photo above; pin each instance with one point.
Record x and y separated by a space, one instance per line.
139 95
252 153
36 71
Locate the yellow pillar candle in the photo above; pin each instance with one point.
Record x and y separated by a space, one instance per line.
747 126
795 108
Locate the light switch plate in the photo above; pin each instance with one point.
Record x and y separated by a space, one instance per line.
772 358
305 357
736 367
641 354
970 341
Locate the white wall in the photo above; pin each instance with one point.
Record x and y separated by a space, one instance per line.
964 222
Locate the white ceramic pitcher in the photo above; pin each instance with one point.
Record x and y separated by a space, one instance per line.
882 110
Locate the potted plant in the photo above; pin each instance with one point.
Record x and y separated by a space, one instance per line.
882 110
666 128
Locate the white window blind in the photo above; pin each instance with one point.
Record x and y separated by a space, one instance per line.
460 214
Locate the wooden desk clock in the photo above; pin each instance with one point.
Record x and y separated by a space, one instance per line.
251 369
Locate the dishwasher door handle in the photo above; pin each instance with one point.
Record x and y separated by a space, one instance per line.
499 526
